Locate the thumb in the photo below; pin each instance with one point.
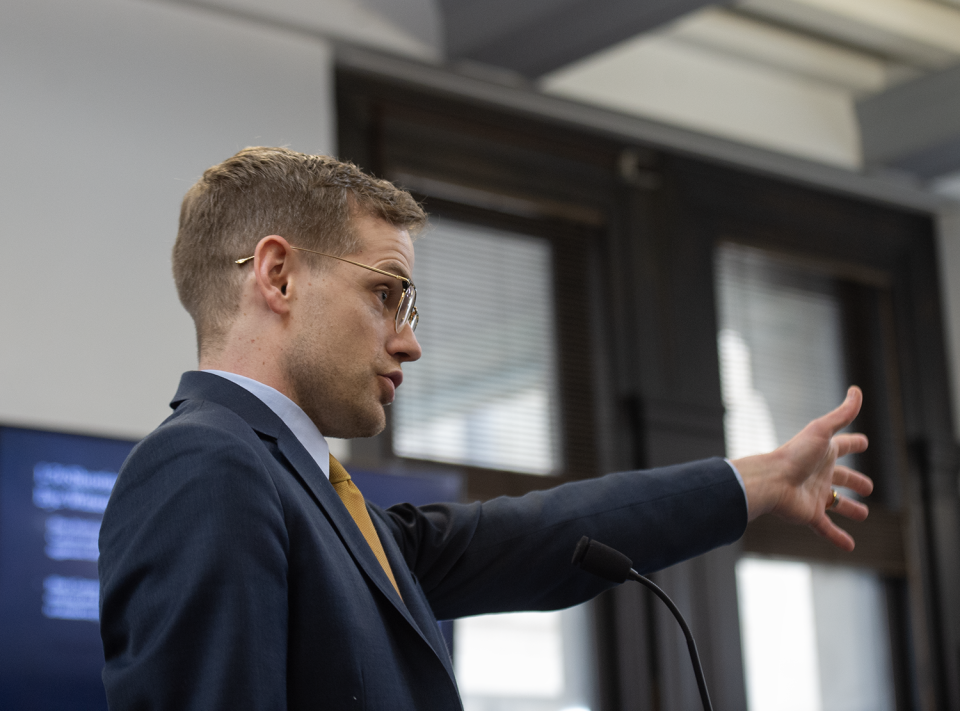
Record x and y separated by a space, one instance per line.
846 413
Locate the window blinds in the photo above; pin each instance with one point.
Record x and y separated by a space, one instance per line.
484 393
780 346
781 365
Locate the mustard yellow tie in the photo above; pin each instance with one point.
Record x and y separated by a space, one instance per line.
353 500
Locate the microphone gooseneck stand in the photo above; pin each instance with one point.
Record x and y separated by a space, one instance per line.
610 564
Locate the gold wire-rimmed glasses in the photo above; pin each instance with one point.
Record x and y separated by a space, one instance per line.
406 309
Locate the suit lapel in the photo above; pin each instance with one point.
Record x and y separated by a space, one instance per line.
413 607
323 491
420 613
208 386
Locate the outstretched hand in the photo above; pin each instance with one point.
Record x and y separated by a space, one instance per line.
795 481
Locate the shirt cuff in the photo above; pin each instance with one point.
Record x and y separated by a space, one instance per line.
740 480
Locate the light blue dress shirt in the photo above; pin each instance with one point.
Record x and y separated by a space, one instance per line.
291 414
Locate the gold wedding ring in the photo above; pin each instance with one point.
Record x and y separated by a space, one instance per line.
834 501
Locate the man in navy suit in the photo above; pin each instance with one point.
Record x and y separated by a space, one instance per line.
241 569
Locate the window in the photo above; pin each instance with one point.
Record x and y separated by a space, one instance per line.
485 392
527 661
832 653
782 364
504 392
780 346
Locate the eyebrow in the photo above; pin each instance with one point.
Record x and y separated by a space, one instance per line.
397 268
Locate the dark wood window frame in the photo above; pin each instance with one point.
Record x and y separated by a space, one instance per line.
507 179
641 225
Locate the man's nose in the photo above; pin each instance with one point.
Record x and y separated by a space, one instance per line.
404 346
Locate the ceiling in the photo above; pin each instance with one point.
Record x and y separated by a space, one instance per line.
872 86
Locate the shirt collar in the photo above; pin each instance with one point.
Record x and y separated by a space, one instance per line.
291 414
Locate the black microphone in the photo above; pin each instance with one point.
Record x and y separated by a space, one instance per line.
610 564
603 561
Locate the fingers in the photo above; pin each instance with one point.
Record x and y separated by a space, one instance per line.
845 506
853 480
854 510
850 443
845 414
833 533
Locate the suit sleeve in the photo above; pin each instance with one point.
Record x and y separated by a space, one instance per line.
193 577
512 554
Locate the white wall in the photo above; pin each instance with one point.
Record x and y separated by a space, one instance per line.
110 110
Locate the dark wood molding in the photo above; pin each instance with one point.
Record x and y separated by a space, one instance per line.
879 542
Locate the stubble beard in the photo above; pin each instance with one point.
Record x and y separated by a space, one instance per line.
334 401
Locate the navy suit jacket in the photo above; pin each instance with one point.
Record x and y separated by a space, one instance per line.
232 576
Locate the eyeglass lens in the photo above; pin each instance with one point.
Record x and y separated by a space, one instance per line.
406 311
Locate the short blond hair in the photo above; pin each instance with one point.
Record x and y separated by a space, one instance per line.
260 191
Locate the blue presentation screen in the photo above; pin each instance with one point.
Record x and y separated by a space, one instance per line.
53 491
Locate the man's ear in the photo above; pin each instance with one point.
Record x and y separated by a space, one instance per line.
272 266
